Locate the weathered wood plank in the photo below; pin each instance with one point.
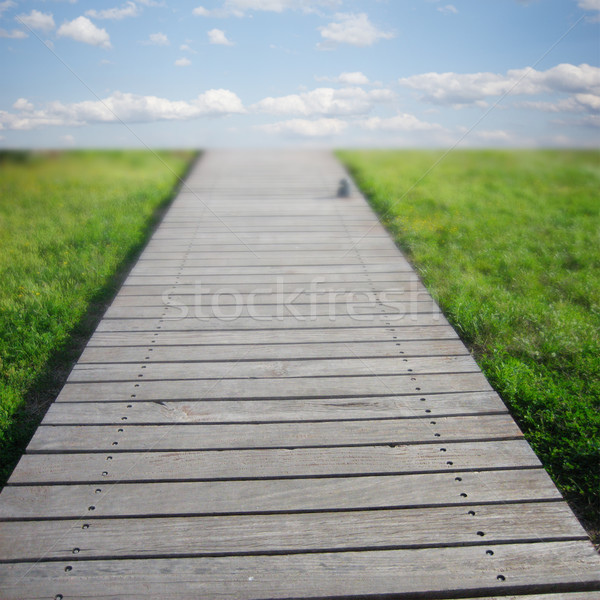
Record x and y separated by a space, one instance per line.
190 295
397 266
207 389
273 336
188 268
247 259
317 350
275 495
451 571
323 531
203 306
263 411
175 256
248 464
227 318
319 284
355 366
125 437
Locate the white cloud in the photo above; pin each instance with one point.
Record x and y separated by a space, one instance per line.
23 104
281 5
219 13
401 122
349 78
449 9
157 39
183 62
37 20
187 48
469 88
324 101
237 8
217 36
354 29
353 78
589 4
15 34
262 5
6 4
129 108
306 127
83 30
130 9
68 139
575 104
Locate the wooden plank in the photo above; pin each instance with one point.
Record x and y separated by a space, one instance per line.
137 412
252 464
355 366
448 571
186 295
247 259
207 389
172 257
319 284
165 286
550 596
227 318
155 269
227 306
273 336
275 495
317 350
125 437
397 266
324 531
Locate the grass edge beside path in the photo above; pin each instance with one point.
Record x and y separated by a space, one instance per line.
508 243
60 281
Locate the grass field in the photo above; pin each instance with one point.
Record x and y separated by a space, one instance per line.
68 223
509 245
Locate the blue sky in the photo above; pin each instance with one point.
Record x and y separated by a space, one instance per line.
374 73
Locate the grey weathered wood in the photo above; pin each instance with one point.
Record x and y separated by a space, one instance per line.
227 307
276 495
273 336
227 387
199 284
462 570
323 531
191 295
249 411
321 350
106 438
247 259
228 319
355 366
396 266
157 268
289 462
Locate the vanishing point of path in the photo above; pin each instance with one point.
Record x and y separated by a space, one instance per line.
273 407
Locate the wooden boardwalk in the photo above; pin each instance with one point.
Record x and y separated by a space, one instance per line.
274 407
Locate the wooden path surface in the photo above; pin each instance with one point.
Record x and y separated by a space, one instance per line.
274 407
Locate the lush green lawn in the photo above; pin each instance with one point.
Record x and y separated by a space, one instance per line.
509 244
68 222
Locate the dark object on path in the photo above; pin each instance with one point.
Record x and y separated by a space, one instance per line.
343 189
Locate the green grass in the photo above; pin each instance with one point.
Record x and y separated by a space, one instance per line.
509 245
69 223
